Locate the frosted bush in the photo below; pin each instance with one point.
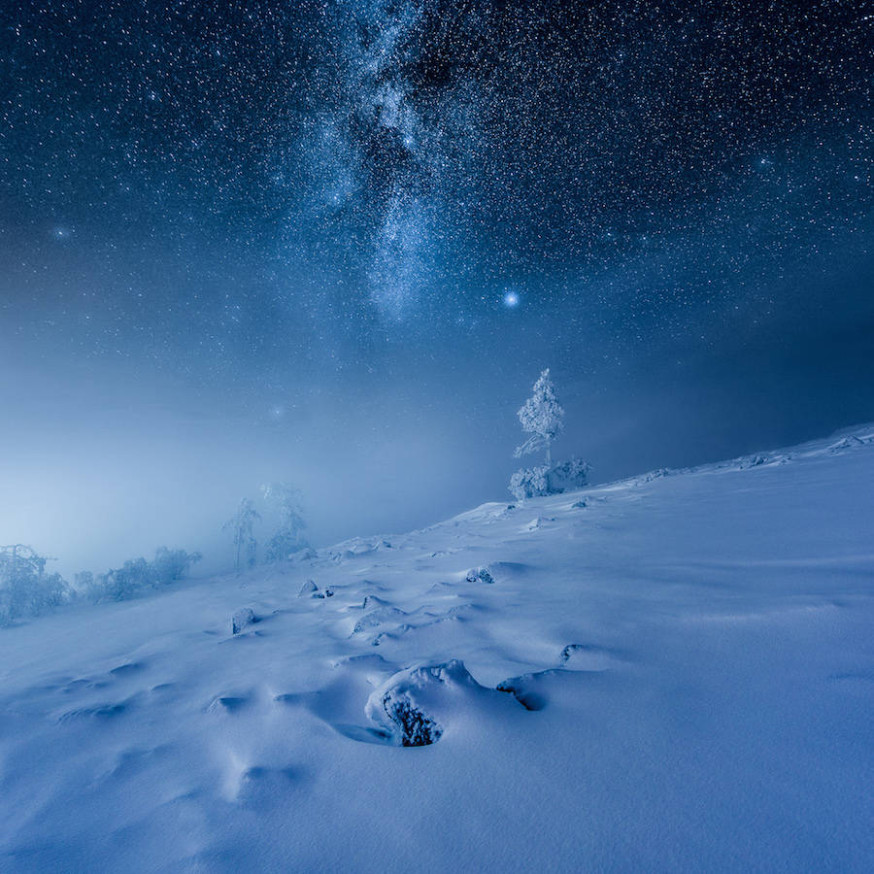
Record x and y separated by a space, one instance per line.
137 575
545 479
25 587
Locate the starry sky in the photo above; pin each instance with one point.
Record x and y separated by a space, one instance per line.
335 242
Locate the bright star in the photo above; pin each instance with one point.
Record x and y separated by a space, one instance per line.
511 299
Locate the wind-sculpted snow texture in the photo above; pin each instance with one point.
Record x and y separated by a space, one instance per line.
675 672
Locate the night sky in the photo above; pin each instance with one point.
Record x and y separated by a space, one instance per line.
334 243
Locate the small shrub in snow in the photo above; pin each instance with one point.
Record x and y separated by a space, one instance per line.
25 587
171 565
414 728
529 482
553 479
124 582
137 575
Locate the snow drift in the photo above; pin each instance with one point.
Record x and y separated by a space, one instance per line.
675 672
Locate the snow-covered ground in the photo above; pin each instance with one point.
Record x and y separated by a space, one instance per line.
687 666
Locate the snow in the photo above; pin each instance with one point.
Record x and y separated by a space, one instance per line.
676 675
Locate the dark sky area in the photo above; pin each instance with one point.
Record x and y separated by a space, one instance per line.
334 243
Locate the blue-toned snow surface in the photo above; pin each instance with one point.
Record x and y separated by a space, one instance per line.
670 673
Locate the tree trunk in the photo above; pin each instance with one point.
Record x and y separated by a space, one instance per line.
549 453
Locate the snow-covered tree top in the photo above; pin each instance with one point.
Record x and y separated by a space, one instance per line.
541 416
245 516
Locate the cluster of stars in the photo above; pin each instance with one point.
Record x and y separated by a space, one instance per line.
407 156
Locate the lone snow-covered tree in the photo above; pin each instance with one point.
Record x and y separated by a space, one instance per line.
241 525
541 417
288 537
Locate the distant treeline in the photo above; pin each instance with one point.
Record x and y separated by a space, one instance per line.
27 589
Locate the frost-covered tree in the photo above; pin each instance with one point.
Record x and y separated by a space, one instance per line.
241 525
137 576
288 537
541 416
171 565
25 587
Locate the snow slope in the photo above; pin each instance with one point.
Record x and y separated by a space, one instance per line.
688 673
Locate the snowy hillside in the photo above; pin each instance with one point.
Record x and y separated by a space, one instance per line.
672 673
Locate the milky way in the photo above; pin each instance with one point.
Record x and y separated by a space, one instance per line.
425 143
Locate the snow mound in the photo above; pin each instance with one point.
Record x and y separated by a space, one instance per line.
308 589
242 619
851 441
416 705
379 616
